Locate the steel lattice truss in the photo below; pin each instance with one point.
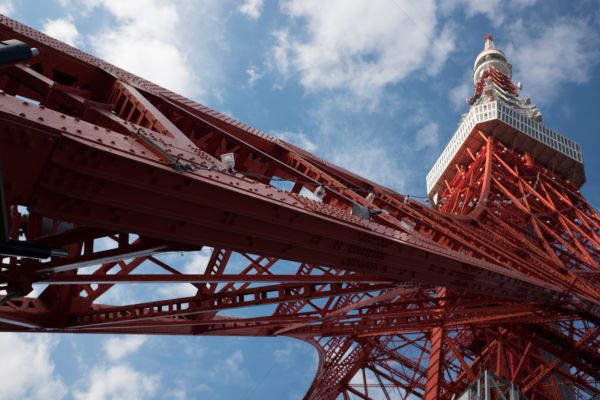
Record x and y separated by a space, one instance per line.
414 303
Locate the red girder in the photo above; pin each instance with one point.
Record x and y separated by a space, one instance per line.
414 302
197 278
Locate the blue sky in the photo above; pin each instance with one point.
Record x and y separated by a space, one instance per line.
376 86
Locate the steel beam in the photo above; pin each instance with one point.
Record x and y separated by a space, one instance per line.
204 278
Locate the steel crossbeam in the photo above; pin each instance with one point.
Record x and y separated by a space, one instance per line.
122 173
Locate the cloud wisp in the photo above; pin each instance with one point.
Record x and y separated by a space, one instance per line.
137 43
63 29
31 354
117 348
254 75
252 8
118 382
554 55
359 47
151 38
495 11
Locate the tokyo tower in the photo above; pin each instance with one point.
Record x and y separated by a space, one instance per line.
492 292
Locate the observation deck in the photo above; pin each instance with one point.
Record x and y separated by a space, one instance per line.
515 130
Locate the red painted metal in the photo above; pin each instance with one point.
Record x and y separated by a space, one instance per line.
413 303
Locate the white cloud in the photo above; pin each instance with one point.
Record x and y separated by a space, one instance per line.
371 159
198 262
119 295
230 369
279 59
459 94
177 394
192 349
119 347
299 139
283 355
163 42
202 387
359 46
26 358
7 7
494 10
138 43
62 29
427 137
118 382
252 8
523 3
361 149
554 54
444 44
490 8
253 75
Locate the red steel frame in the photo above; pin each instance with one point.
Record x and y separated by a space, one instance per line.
413 303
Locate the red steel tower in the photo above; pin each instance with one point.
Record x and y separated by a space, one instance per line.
495 287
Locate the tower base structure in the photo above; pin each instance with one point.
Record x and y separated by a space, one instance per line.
413 302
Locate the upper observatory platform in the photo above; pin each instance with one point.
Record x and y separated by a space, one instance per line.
498 110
